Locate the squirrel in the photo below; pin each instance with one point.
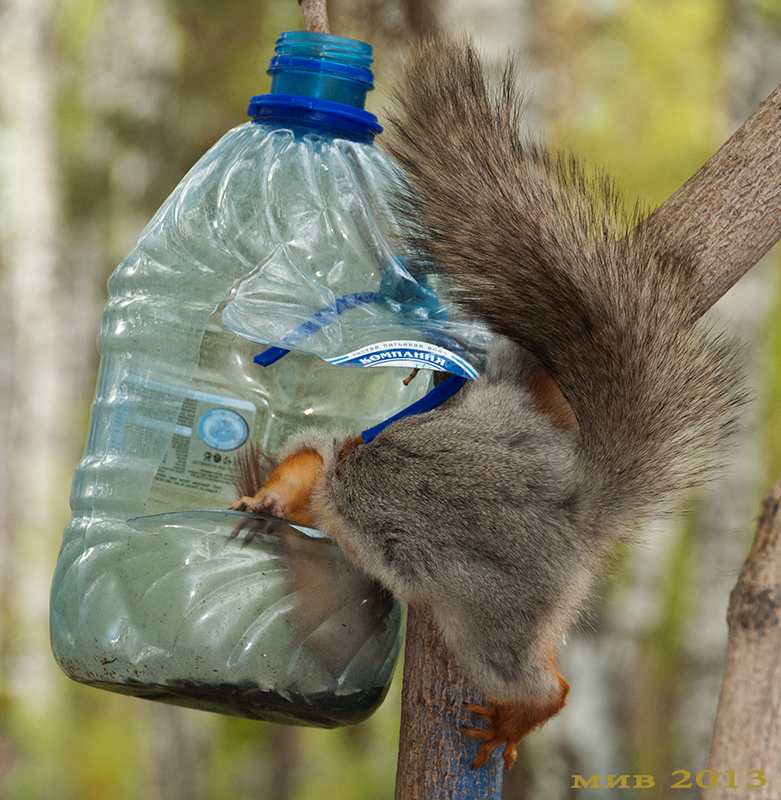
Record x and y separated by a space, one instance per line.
600 400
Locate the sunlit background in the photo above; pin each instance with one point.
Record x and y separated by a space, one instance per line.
104 105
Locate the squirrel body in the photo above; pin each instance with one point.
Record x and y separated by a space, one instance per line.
598 405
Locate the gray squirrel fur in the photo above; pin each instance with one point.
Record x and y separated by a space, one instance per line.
484 510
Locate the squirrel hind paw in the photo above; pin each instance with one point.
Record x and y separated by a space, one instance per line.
510 722
489 745
493 736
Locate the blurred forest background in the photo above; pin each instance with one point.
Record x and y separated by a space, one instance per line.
104 105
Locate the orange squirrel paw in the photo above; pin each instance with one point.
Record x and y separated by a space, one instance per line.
510 722
288 492
503 730
261 503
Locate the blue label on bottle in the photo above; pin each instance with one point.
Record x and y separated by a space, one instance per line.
417 355
222 429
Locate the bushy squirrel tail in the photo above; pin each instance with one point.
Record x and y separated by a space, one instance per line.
542 251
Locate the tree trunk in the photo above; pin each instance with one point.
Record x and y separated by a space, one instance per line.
434 756
747 733
30 220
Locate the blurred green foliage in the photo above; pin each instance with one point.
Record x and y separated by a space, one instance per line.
643 89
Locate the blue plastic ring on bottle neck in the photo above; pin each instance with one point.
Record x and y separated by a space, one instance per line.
335 118
320 80
281 63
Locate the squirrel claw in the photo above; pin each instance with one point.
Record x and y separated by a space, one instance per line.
502 730
481 711
240 505
259 504
477 733
488 746
287 494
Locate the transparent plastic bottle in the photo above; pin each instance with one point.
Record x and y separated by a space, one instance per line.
174 607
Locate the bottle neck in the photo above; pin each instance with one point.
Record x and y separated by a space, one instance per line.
320 81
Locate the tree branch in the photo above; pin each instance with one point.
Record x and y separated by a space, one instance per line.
315 16
730 209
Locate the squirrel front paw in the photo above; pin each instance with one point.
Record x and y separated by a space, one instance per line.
288 492
262 503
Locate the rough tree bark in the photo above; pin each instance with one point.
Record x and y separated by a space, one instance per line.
747 732
730 210
432 752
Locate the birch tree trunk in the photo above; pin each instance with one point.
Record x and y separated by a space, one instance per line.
434 757
30 239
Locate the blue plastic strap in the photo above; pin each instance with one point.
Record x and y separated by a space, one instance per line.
270 356
405 297
435 397
321 318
